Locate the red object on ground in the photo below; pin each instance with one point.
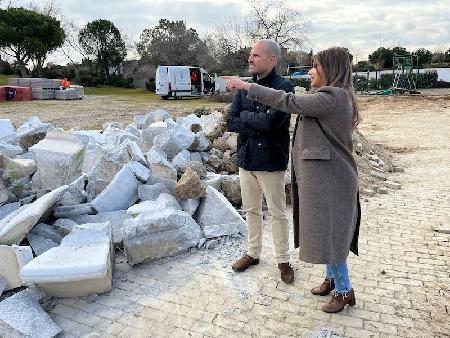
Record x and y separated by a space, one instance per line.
65 83
2 93
17 93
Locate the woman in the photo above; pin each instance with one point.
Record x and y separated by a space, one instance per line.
325 177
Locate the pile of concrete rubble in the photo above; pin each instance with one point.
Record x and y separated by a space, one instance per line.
156 188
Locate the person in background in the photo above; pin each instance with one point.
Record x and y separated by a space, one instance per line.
65 84
327 212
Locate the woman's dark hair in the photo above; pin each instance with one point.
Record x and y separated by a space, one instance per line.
336 64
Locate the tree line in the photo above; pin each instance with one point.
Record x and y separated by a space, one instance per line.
29 35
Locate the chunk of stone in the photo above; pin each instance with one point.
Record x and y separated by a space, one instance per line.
157 115
7 209
378 175
33 131
28 199
120 194
198 167
189 186
168 183
164 201
190 205
2 285
115 219
115 137
65 225
136 153
47 231
149 133
101 175
75 194
22 316
214 180
160 167
40 244
172 142
10 150
196 156
81 265
151 192
12 259
152 236
213 124
217 217
15 226
6 128
180 160
231 188
117 125
392 185
16 169
141 172
189 120
66 211
214 162
59 159
201 143
4 192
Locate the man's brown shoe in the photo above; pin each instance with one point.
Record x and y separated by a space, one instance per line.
326 287
338 302
244 263
287 273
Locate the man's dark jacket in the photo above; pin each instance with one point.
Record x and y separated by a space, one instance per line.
263 140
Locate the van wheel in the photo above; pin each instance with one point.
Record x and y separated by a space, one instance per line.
165 97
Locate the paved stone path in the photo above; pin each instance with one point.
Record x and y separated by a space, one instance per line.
401 278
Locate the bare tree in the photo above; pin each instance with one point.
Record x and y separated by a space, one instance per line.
274 19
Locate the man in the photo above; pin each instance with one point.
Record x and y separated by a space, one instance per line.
262 158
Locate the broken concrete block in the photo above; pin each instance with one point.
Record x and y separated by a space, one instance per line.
81 265
47 231
159 166
6 128
101 175
22 316
151 192
190 205
141 172
66 211
59 159
217 217
33 131
10 150
152 236
4 192
231 188
169 184
174 141
136 153
15 226
131 128
213 125
163 202
117 125
120 194
392 185
75 194
180 160
40 244
115 219
12 259
16 169
196 157
189 186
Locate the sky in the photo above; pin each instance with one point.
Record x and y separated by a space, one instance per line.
361 26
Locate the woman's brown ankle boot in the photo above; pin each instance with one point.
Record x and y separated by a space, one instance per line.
338 302
326 287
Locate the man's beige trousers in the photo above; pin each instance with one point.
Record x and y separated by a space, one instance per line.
253 185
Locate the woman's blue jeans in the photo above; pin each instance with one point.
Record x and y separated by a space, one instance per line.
339 273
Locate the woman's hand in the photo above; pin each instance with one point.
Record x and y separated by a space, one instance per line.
235 82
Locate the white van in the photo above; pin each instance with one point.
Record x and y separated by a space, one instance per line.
181 81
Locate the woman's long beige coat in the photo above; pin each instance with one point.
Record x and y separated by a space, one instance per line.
326 208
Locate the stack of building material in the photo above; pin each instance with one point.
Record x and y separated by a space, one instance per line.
2 93
42 89
13 81
66 94
79 90
17 93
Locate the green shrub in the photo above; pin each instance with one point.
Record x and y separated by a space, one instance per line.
150 84
89 80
